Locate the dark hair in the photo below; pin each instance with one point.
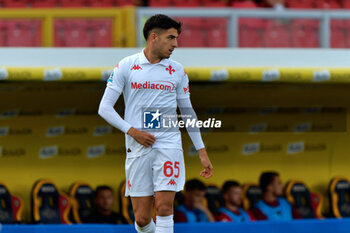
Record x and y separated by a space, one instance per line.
266 179
101 188
160 21
194 184
229 184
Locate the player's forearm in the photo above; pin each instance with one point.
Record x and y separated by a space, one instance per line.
106 110
188 113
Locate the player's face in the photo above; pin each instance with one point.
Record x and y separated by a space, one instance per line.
235 196
104 200
166 42
195 197
277 186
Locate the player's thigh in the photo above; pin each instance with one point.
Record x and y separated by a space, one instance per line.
168 170
164 202
143 208
139 176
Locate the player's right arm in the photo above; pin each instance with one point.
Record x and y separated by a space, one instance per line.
115 86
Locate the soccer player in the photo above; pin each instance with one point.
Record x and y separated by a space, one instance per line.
272 206
193 210
154 164
232 211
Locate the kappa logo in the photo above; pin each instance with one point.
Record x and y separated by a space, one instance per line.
170 69
187 89
172 182
136 67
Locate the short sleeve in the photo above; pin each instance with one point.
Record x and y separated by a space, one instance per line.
116 80
183 88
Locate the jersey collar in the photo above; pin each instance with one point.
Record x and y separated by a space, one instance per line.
143 60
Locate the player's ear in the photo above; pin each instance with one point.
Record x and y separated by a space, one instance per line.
152 36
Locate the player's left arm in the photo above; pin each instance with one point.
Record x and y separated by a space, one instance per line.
187 112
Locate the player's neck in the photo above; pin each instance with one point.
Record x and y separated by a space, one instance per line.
231 207
151 57
269 197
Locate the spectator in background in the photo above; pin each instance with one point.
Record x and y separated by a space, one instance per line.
272 206
103 212
193 209
232 212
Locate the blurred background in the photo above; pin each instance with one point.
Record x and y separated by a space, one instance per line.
276 72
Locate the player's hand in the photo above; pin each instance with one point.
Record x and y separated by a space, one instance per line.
208 168
144 138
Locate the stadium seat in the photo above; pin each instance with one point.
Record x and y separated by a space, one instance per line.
193 33
101 32
244 4
214 198
305 203
276 34
100 3
251 194
71 3
346 4
72 33
160 3
305 33
216 31
186 3
43 3
339 191
48 204
326 4
23 32
16 3
2 33
124 3
82 197
251 32
10 206
214 3
125 205
299 4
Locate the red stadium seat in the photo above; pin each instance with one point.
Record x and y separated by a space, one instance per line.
326 4
338 33
250 32
124 3
2 33
72 3
187 3
160 3
101 32
192 34
346 4
214 3
347 33
44 3
24 33
276 34
72 33
299 4
304 33
245 4
16 3
100 3
216 30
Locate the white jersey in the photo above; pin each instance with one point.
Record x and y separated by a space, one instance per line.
145 85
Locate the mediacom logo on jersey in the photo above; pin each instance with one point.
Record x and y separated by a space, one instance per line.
168 119
155 85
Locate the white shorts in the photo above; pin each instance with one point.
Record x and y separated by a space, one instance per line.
162 169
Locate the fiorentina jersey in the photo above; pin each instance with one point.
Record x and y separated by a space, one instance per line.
149 86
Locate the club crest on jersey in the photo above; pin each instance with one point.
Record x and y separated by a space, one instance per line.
152 119
170 69
136 67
